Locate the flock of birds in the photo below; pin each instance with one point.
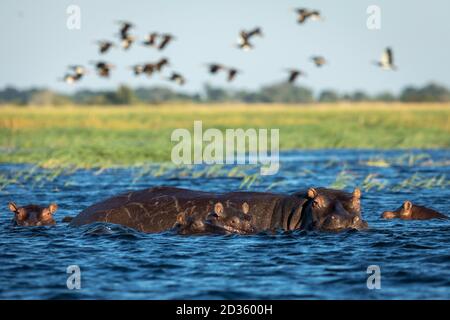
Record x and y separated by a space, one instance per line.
160 41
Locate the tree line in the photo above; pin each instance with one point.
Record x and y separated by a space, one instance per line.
275 93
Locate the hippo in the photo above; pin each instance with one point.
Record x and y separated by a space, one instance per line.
157 209
33 215
223 220
409 211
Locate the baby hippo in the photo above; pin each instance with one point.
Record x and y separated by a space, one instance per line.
222 221
33 215
230 220
409 211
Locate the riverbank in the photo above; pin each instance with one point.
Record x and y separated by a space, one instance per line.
106 136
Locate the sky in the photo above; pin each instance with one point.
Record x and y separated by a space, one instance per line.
37 46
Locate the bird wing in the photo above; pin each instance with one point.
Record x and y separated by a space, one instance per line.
256 31
293 75
232 74
390 56
164 42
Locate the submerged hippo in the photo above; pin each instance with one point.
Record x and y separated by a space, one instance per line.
409 211
157 209
33 215
222 220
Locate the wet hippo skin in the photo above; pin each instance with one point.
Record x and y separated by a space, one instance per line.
156 209
410 211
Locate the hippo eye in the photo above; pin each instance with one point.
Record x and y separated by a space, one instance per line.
235 221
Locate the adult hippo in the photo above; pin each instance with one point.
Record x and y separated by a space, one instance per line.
157 209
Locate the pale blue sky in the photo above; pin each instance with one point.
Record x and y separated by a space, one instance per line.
37 46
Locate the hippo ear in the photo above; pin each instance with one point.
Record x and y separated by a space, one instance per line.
218 208
407 205
245 208
52 208
312 193
356 193
13 207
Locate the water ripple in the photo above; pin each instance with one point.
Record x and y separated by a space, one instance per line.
121 263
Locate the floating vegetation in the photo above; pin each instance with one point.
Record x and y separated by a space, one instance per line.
382 173
372 181
418 182
249 180
409 159
33 176
343 179
382 163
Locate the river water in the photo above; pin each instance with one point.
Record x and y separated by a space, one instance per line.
118 263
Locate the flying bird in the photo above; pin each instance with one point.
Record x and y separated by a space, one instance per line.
150 39
232 72
127 41
79 70
243 41
305 14
166 38
103 68
244 44
104 46
161 63
137 69
69 78
294 74
215 67
78 73
178 78
125 27
318 60
148 69
387 60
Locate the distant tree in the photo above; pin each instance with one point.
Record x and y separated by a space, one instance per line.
247 96
430 93
47 98
124 96
359 96
286 93
329 96
213 94
435 93
278 92
385 96
410 94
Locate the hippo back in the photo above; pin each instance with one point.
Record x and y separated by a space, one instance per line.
149 210
156 209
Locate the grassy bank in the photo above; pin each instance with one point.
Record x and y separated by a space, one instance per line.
105 136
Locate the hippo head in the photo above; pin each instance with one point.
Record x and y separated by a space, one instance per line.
230 220
33 215
190 223
350 201
329 213
403 212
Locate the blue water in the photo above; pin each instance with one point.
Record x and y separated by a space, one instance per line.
118 263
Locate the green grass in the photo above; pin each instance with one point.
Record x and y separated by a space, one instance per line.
110 136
